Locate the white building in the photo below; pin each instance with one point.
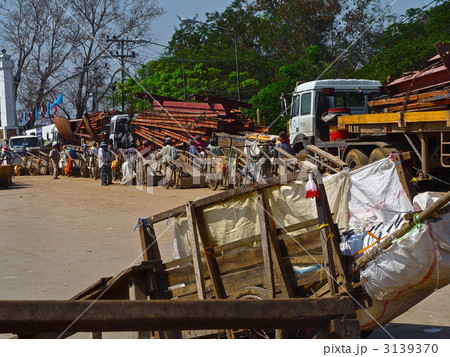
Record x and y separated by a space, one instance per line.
8 115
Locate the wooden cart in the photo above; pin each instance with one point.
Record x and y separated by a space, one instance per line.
244 288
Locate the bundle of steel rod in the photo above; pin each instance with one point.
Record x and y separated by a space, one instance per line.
434 100
182 126
425 89
92 125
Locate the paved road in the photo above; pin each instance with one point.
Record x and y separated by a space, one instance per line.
59 236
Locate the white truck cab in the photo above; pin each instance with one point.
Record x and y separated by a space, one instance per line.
312 100
22 144
120 126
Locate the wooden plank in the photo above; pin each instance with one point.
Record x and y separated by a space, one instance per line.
334 159
331 234
151 253
422 97
150 250
269 282
250 257
223 196
326 235
404 174
195 248
275 250
285 276
379 118
232 283
249 277
211 262
138 291
221 249
54 316
99 284
440 103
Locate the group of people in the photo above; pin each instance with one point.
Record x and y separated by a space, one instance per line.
268 151
196 147
101 155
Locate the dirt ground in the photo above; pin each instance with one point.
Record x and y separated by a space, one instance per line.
57 237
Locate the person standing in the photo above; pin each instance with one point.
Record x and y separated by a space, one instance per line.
214 148
200 145
85 153
5 154
284 144
55 157
264 163
191 148
104 160
169 150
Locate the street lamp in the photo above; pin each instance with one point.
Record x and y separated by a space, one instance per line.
182 61
192 21
95 91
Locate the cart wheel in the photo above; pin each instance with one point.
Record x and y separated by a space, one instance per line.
251 293
238 180
4 183
167 182
213 184
34 170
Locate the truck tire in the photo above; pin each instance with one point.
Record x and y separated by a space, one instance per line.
356 159
377 154
381 153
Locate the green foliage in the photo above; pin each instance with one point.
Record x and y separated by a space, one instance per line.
408 44
276 49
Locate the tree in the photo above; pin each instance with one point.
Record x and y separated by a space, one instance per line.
51 37
99 19
407 44
273 34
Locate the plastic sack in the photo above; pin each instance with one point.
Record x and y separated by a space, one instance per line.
311 187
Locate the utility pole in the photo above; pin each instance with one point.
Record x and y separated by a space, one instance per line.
95 94
122 56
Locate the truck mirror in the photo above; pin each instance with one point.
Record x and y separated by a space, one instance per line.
283 103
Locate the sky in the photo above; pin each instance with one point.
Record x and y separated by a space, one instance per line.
163 27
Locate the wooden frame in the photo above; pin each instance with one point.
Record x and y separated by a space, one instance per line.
221 278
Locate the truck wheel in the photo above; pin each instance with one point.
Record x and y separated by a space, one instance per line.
377 154
356 159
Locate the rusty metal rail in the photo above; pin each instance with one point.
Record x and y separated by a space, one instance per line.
122 315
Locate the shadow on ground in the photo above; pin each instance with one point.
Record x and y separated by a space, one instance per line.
398 330
15 186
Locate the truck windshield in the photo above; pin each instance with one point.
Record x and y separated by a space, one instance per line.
24 142
349 100
121 127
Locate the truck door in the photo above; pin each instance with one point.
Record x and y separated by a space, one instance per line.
302 116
